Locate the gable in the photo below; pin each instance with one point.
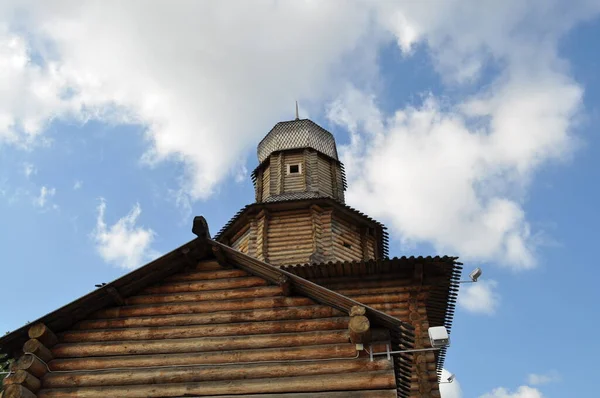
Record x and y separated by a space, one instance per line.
212 330
194 323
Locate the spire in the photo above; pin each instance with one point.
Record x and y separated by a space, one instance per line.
297 117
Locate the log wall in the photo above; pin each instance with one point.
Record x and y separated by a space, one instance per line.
241 241
266 183
401 297
214 331
294 182
325 176
319 174
290 237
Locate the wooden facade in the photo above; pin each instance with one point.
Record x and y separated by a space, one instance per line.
295 171
223 326
305 231
414 290
287 301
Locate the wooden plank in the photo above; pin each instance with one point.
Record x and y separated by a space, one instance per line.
254 315
212 373
231 329
336 394
201 306
207 275
43 334
314 352
23 378
251 292
313 383
204 344
215 284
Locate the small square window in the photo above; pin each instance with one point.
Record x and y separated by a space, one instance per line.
294 169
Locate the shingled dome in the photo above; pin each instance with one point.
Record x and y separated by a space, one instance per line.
294 134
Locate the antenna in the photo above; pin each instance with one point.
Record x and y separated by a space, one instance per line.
297 117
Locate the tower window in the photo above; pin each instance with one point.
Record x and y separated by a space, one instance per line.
294 169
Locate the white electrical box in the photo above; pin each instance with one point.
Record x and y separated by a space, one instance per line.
438 335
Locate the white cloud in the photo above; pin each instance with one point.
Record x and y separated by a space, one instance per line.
124 243
538 379
77 185
449 390
45 193
208 80
480 297
29 169
521 392
453 172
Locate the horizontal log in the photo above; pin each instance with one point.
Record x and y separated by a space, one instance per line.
201 306
230 329
316 383
365 284
41 333
267 314
17 391
290 241
36 348
314 352
335 394
216 284
207 275
204 344
212 373
399 299
358 270
209 265
359 329
293 244
378 290
251 292
25 379
31 364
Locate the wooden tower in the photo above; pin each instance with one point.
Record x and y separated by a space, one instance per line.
294 297
299 215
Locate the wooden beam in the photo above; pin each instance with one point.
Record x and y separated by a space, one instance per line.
32 365
202 344
36 348
314 383
285 284
220 256
210 330
357 310
359 329
212 373
220 317
114 293
42 333
17 391
25 379
282 354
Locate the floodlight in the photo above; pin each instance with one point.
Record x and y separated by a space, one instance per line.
449 380
475 274
438 336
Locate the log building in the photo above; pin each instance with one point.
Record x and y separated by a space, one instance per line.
288 300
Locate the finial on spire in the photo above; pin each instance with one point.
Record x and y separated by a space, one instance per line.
297 116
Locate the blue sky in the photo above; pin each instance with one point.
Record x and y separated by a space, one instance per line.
468 128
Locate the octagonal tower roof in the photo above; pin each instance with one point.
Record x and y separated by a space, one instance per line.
297 134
